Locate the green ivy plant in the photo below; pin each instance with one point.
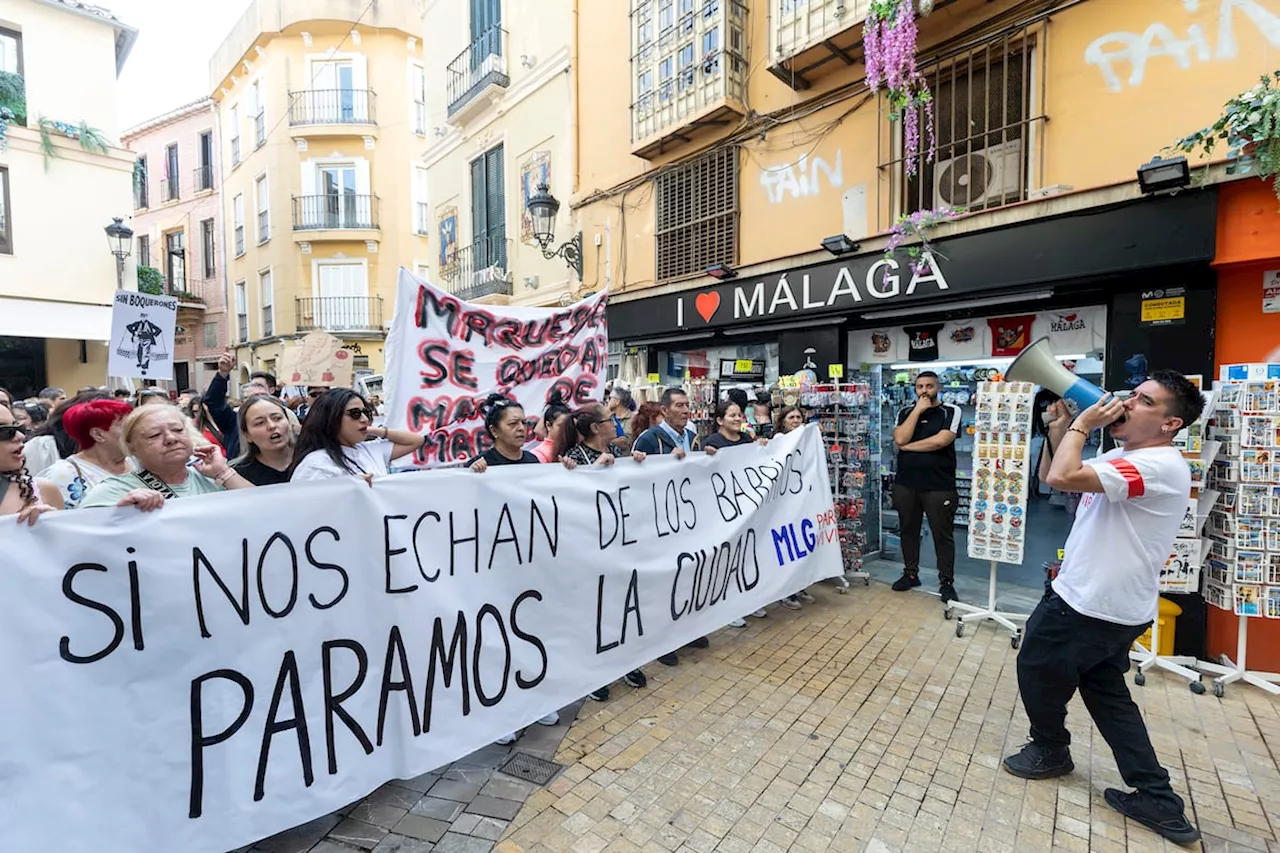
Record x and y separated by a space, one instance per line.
90 138
13 104
150 281
1250 127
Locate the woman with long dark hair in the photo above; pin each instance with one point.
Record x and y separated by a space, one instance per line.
334 440
20 493
730 433
204 423
549 427
266 441
648 415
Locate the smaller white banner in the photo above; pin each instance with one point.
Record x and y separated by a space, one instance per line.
142 335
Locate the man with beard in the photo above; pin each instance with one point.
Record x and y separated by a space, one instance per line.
925 483
1105 595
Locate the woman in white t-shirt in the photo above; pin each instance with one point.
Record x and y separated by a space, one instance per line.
95 427
335 440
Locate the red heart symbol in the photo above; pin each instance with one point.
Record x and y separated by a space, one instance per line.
707 304
1070 318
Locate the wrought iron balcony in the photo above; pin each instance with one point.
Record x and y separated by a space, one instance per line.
480 68
479 269
203 179
331 106
335 212
339 313
194 292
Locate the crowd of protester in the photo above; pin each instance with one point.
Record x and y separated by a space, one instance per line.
105 448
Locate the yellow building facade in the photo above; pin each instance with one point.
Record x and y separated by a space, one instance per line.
500 106
323 195
743 133
57 273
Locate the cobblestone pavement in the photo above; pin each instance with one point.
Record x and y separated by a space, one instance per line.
861 723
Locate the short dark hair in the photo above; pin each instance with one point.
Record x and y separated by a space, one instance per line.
927 374
262 374
51 394
1187 402
669 396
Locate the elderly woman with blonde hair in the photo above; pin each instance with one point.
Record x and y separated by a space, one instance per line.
160 441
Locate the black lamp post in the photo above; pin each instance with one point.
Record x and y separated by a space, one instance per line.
543 207
120 238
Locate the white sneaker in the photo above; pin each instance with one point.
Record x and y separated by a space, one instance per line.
550 719
790 603
805 597
507 740
760 614
738 623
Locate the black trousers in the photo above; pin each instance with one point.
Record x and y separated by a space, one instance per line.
912 506
1064 651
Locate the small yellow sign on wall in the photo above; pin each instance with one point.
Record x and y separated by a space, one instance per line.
1167 310
742 365
654 379
835 371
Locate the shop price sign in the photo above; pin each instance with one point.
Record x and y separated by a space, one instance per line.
742 365
1271 292
654 379
835 371
788 382
1164 307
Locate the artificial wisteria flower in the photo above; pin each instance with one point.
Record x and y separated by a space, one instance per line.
916 226
889 42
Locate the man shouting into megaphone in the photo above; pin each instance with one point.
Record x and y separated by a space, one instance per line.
1105 595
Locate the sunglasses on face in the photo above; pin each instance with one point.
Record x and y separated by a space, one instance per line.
9 432
357 414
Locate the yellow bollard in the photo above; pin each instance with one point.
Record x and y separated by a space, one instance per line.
1169 612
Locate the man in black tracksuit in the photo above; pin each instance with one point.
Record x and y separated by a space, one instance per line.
925 483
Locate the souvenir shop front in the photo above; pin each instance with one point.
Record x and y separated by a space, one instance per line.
1119 291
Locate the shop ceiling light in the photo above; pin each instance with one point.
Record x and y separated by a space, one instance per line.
839 245
722 272
1161 175
922 308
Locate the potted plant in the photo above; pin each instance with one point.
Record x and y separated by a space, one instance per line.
1250 127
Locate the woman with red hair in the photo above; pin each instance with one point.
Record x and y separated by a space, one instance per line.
95 427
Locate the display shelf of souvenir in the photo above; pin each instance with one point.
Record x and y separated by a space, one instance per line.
702 404
1242 557
1181 572
1001 469
845 411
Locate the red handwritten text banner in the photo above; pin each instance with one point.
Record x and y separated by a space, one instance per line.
445 356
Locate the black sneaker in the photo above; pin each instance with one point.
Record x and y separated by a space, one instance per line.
669 659
1151 814
905 582
636 679
700 643
1039 762
601 695
947 592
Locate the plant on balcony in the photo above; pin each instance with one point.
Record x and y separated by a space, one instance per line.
1250 126
90 138
150 281
889 43
916 227
13 104
186 296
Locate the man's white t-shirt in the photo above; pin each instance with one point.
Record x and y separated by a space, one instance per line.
368 457
1123 537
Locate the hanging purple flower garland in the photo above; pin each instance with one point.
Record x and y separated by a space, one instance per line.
889 48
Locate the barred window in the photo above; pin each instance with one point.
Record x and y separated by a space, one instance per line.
697 215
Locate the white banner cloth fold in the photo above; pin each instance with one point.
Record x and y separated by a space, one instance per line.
174 688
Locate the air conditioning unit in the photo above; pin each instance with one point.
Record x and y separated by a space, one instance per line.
982 178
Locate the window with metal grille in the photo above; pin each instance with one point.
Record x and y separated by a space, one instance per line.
697 215
988 116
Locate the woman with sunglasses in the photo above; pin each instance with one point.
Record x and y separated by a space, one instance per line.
334 440
95 426
20 493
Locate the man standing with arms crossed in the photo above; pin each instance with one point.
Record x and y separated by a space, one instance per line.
925 483
1105 595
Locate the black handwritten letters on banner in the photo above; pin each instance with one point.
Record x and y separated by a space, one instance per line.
237 664
449 355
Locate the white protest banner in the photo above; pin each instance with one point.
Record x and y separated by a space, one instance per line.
449 355
142 335
176 688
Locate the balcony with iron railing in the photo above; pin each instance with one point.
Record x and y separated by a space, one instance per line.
334 217
479 270
332 112
339 313
202 179
477 75
195 293
811 39
170 189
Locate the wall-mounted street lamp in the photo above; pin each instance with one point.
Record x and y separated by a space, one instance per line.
543 207
120 238
721 272
839 245
1161 175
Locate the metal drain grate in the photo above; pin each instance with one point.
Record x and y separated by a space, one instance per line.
539 771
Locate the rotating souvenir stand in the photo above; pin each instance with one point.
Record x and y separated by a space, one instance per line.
702 404
1242 572
998 500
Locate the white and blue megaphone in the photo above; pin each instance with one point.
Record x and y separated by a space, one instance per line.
1037 364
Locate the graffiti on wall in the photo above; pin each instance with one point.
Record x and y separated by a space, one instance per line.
1116 53
801 179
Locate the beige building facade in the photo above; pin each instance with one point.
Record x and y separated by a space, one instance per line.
501 114
57 273
177 226
321 191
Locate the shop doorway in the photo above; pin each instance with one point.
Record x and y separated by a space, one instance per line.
22 368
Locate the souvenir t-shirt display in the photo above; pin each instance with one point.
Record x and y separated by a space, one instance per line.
1074 331
922 342
1010 335
876 346
963 339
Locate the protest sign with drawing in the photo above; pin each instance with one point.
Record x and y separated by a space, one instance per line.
316 360
142 336
183 689
449 355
